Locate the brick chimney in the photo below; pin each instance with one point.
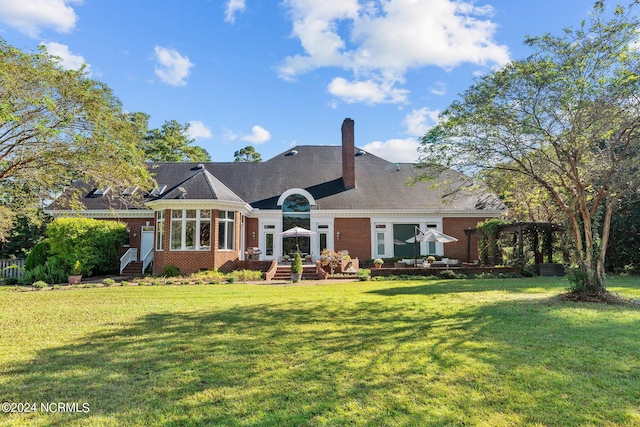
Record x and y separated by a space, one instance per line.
348 154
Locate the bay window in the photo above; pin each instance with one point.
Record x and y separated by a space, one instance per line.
226 230
160 231
191 230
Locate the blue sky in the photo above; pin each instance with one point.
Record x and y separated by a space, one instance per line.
275 74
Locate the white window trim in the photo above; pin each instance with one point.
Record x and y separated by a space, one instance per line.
183 238
300 191
226 221
160 221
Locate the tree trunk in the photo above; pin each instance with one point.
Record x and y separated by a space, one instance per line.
592 261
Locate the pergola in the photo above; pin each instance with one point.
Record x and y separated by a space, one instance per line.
519 230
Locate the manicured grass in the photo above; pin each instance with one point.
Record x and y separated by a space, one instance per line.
436 353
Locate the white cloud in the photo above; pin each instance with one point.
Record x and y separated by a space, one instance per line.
233 7
418 122
259 135
68 60
379 41
229 135
198 129
395 150
172 68
32 16
368 91
439 88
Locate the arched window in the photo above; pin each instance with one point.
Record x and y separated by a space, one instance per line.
296 203
296 212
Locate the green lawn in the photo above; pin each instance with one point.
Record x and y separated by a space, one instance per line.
464 352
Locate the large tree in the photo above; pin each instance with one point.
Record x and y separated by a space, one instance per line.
57 126
247 154
567 119
171 143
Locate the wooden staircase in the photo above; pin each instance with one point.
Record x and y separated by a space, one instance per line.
284 272
133 269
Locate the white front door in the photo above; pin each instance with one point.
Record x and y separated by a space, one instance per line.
146 241
269 244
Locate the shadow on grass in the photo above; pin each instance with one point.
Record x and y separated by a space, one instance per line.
366 363
434 287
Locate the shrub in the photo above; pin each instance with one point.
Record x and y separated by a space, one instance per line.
77 268
364 274
448 274
296 264
10 281
96 243
39 284
124 283
231 279
210 274
577 278
248 275
170 271
108 282
52 271
38 255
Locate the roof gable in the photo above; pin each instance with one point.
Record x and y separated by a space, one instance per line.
202 185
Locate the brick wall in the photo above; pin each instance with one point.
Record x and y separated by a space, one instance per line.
455 227
348 153
355 236
193 261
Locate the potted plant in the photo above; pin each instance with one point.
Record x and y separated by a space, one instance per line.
296 268
430 259
330 258
76 274
378 262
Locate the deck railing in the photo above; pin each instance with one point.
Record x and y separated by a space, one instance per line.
130 256
148 259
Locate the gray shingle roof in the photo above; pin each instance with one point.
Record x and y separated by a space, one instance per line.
201 185
380 185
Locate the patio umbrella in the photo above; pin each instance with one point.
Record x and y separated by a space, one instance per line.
432 236
296 232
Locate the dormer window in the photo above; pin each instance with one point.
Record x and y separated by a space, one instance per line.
129 191
98 192
158 190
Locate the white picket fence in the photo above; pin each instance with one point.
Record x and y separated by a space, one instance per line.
7 271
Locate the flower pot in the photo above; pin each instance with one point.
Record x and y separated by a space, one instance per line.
378 265
74 280
295 277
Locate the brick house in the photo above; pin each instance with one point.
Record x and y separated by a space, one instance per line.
206 216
